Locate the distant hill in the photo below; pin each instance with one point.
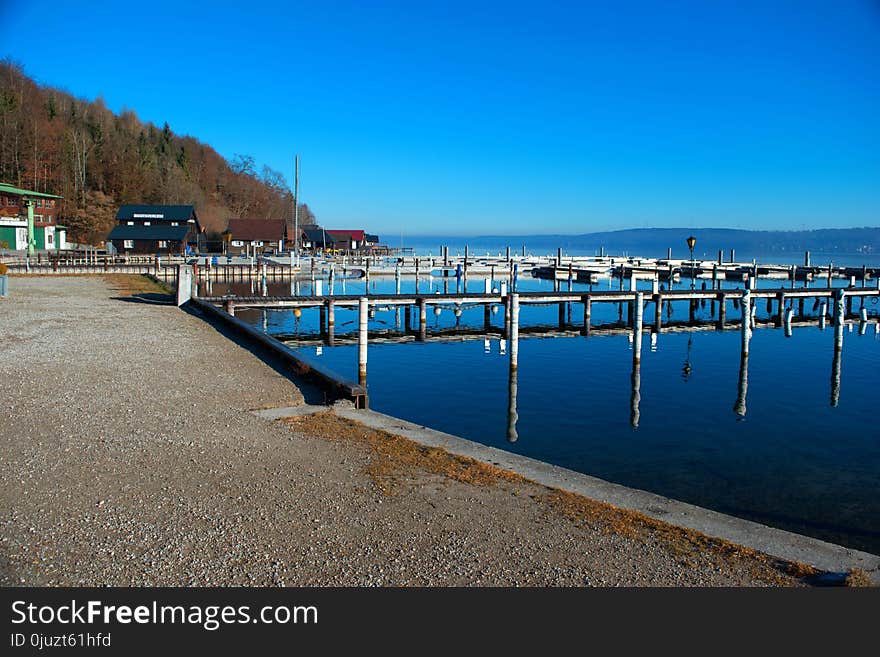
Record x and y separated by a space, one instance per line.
710 240
655 241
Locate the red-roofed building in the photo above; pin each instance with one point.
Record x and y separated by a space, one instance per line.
348 240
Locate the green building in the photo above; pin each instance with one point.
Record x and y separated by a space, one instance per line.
25 213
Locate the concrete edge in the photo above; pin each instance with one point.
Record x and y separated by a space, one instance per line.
289 411
777 543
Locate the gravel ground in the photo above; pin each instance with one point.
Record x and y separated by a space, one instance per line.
129 456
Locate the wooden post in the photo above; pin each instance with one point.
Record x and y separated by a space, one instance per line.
507 255
588 303
559 257
746 305
322 317
658 312
722 310
786 322
637 327
793 275
363 323
733 255
514 331
838 346
561 315
423 319
807 259
823 312
407 318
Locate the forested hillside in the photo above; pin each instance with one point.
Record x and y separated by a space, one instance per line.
51 141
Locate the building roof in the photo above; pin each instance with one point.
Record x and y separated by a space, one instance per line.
318 236
6 188
157 212
357 235
155 232
257 229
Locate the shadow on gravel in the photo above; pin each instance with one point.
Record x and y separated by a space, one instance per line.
151 298
311 392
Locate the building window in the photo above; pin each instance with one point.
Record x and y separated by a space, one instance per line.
146 223
50 238
174 223
237 243
257 243
38 218
163 244
130 223
128 244
48 218
39 203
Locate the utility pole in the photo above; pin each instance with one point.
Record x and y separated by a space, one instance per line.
31 240
296 208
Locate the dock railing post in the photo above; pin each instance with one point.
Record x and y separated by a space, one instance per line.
746 305
637 327
839 310
514 331
588 302
363 323
423 319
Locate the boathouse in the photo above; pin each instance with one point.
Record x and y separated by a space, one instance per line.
348 240
160 229
255 235
317 239
21 207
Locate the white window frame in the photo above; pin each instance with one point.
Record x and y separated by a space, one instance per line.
163 244
127 244
237 243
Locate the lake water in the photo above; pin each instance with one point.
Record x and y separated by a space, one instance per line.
787 458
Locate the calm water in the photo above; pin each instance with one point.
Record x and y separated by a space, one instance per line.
792 460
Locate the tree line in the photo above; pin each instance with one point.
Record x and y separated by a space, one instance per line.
51 141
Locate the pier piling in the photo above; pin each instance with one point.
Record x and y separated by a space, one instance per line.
514 331
746 305
637 327
363 323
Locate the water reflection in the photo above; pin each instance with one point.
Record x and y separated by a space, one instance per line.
743 388
636 396
512 415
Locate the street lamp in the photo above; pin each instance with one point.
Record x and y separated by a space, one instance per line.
692 242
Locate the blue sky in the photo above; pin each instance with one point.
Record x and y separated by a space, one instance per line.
492 118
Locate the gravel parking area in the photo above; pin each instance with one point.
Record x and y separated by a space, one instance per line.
129 455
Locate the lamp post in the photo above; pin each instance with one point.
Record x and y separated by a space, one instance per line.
692 242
